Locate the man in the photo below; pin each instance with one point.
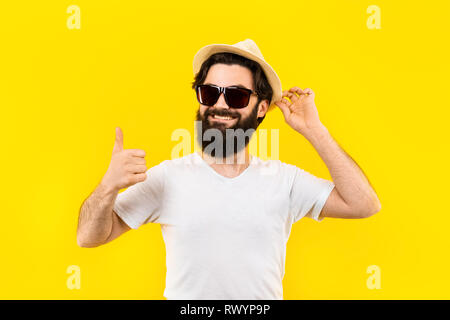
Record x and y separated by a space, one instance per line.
226 223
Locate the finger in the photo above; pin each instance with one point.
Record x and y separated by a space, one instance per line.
139 177
309 92
284 101
137 160
283 104
296 90
136 152
286 93
118 143
137 168
292 96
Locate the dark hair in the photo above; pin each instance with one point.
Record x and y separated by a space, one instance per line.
260 83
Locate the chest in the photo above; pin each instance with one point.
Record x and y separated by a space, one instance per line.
203 205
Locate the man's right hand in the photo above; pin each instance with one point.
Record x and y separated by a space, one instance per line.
127 166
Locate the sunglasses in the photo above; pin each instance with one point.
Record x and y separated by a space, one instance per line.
235 97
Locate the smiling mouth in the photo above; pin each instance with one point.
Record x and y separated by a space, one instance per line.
221 118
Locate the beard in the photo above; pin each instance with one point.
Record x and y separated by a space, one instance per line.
234 138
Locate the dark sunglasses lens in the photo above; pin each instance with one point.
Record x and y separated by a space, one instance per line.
237 98
207 95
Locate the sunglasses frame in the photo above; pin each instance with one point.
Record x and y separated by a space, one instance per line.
223 90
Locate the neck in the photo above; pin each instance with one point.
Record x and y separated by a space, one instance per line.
237 161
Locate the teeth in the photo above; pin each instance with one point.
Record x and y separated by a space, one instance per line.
222 117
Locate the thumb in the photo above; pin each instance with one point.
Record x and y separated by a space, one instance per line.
118 143
283 105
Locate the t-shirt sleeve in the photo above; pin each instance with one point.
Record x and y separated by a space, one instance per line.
308 194
142 202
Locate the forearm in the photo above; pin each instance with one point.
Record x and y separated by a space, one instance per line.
95 218
350 181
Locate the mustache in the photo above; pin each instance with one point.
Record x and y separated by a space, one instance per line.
223 113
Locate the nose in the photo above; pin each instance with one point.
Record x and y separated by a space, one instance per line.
221 103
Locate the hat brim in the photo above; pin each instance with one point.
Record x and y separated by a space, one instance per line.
274 81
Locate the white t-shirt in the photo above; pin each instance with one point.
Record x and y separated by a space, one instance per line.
225 237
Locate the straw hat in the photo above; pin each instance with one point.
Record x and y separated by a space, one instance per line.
248 49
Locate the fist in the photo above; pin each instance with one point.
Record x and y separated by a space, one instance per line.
127 166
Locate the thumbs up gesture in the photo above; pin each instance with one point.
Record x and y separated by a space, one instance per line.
127 166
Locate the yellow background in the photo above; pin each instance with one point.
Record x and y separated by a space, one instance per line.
383 95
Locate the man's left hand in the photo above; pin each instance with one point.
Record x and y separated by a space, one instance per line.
301 112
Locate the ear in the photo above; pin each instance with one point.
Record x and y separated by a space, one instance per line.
262 108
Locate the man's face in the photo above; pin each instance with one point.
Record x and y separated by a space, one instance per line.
245 118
